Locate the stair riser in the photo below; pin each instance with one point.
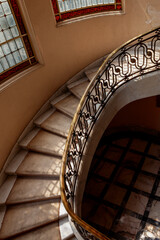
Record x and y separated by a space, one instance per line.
42 176
58 197
39 150
28 230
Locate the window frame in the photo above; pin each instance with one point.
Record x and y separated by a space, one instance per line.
31 59
85 12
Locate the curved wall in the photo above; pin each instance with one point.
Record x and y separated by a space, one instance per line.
142 113
63 51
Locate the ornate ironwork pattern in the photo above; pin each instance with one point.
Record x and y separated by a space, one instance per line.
84 233
134 59
67 9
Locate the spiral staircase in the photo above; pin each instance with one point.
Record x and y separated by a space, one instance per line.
30 198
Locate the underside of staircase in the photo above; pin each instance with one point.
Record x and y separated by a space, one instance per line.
30 201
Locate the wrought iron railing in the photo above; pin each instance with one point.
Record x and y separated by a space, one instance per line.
137 57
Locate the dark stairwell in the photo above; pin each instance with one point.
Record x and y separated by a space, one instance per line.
122 193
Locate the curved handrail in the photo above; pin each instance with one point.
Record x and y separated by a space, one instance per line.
136 57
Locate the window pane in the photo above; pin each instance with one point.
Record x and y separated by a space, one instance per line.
10 60
6 8
4 63
13 46
1 68
1 11
19 43
6 49
2 38
1 53
8 34
4 23
23 53
17 57
10 20
14 31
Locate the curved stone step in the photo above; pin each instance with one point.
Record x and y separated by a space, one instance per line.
33 189
65 229
16 162
67 105
90 73
48 232
2 214
64 225
6 188
69 237
35 164
44 142
25 217
55 122
78 88
60 97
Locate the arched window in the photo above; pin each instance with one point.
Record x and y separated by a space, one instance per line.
15 49
67 9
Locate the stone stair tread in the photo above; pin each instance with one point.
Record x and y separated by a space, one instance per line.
44 116
57 123
90 73
79 90
36 164
5 189
48 232
28 138
16 162
65 229
69 237
68 105
76 83
2 214
60 98
46 142
24 217
62 210
32 189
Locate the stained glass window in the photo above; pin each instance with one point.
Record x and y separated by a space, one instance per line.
15 49
66 9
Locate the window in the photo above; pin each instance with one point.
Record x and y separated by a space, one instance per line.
15 49
67 9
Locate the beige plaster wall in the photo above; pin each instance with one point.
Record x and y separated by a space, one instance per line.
65 50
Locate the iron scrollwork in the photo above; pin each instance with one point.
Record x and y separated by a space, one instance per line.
138 57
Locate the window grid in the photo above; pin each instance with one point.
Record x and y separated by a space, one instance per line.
15 49
67 9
